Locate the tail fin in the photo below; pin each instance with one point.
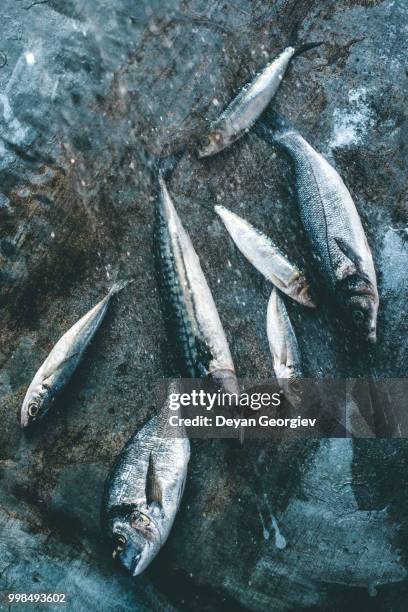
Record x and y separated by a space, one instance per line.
306 47
118 286
165 166
270 124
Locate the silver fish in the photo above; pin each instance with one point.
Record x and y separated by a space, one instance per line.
283 346
266 257
62 361
195 322
333 226
249 104
144 490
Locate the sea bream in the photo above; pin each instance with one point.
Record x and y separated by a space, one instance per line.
249 104
283 346
194 321
62 361
144 490
266 257
333 226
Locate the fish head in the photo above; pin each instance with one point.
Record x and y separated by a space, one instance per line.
363 310
301 292
35 406
289 379
360 300
212 143
136 539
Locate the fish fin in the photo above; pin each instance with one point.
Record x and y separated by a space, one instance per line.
118 286
348 251
154 491
165 166
50 372
181 491
306 47
270 124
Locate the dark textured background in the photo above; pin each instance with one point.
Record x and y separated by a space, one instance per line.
113 85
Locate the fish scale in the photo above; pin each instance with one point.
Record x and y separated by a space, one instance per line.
172 293
327 209
332 224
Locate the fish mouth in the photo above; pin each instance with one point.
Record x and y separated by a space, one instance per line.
306 300
135 571
372 337
131 563
24 419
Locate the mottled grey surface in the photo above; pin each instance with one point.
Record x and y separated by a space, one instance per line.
90 93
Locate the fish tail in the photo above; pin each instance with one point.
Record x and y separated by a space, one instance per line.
165 166
271 125
118 286
299 50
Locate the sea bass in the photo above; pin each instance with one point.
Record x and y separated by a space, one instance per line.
249 104
144 490
62 361
283 346
195 323
332 224
265 256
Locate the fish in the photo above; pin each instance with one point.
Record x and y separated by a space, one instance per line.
144 489
248 105
195 324
266 257
62 361
333 226
284 347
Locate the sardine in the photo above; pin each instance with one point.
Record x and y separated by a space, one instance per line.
62 361
144 490
333 226
283 346
195 323
282 340
249 104
266 257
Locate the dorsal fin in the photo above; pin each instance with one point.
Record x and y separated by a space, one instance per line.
181 491
154 491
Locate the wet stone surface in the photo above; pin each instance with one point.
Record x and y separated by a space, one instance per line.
90 94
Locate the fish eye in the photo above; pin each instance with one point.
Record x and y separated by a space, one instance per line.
120 542
358 316
33 409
